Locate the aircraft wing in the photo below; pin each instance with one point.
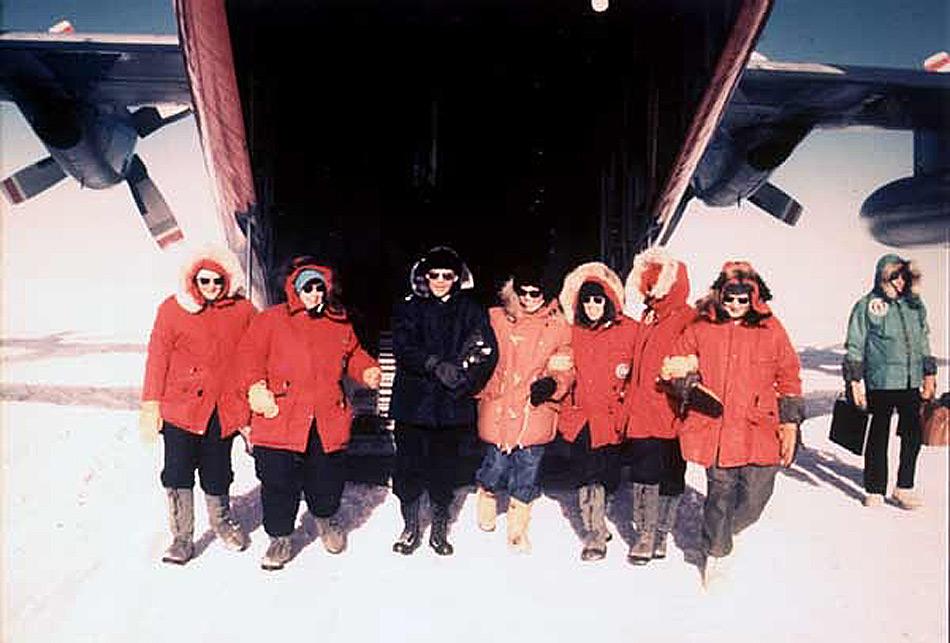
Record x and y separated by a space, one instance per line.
829 96
777 104
99 68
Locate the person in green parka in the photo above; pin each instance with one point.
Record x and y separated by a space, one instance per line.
889 366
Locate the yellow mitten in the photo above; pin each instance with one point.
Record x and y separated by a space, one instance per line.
678 366
150 421
261 400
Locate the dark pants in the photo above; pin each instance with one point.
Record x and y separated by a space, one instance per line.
657 461
599 465
208 453
735 498
427 459
881 405
284 474
517 472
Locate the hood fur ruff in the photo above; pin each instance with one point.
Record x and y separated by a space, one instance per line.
912 271
666 279
216 258
418 284
513 310
737 272
592 271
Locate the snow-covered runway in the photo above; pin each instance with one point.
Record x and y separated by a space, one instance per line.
84 527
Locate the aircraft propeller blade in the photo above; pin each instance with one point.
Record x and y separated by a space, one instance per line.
32 180
152 206
777 203
149 119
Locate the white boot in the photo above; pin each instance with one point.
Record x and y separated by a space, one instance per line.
907 499
715 573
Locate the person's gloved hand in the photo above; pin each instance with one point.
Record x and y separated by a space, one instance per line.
449 375
859 395
680 388
928 389
676 366
150 421
372 377
788 440
542 390
261 400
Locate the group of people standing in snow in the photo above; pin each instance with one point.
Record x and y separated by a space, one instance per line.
717 384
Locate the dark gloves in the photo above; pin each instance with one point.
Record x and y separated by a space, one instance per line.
542 390
688 392
450 375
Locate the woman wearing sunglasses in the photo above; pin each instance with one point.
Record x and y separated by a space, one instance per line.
656 466
445 351
889 366
518 409
292 361
189 398
741 353
592 414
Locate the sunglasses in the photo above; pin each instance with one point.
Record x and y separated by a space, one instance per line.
894 276
310 286
444 275
207 281
534 293
739 299
593 299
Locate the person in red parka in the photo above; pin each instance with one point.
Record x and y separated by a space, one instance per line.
189 398
742 354
657 469
592 415
292 362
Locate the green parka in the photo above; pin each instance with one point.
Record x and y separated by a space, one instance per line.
888 342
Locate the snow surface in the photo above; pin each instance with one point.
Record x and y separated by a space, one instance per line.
83 513
84 527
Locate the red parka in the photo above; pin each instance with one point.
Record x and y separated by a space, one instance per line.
664 285
191 350
303 360
601 361
751 366
530 347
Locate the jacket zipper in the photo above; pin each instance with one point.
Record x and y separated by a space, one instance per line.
900 313
725 393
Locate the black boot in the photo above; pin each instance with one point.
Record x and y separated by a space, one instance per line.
438 537
411 536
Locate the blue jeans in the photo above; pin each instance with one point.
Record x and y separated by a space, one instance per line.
516 471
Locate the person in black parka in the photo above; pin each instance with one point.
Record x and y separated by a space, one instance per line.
445 351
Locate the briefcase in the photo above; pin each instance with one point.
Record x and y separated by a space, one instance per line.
935 422
849 426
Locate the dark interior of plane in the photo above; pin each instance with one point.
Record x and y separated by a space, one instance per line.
514 131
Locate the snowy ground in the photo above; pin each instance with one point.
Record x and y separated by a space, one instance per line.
84 528
83 515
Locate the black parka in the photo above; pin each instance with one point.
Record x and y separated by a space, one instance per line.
427 330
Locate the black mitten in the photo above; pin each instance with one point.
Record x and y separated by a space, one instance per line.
450 375
542 390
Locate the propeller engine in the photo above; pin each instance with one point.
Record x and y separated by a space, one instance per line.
95 146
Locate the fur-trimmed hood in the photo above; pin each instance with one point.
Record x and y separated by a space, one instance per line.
210 257
661 281
911 272
333 307
737 272
513 310
417 276
593 271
